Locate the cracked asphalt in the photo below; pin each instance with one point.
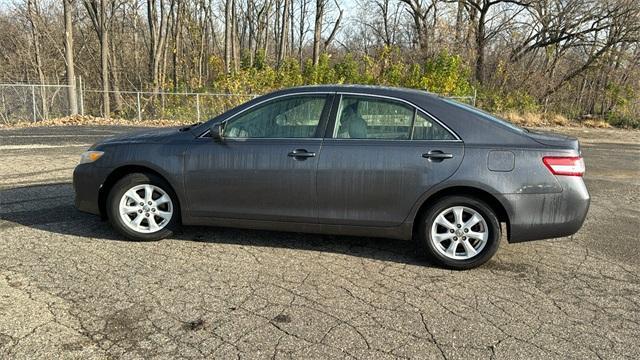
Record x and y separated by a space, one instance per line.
71 288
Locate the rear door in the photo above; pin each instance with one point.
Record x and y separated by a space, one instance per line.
265 169
380 155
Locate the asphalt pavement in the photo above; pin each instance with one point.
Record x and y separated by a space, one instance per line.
70 287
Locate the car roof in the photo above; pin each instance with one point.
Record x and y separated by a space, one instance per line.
398 91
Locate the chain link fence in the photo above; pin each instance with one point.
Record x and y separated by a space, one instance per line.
141 105
19 102
36 102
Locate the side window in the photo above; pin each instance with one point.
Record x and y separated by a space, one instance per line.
291 117
373 118
427 129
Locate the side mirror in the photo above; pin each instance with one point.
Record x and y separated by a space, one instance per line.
217 132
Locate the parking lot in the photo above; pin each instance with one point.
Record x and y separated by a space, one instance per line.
71 287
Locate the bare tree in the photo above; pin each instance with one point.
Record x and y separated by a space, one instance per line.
302 28
100 12
284 32
317 30
460 9
383 23
318 44
228 34
577 54
336 25
419 12
34 19
68 55
624 28
157 18
33 16
481 17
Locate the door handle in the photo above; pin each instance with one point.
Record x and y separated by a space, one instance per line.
301 154
437 155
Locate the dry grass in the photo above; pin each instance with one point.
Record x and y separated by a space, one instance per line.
596 123
530 119
80 120
558 120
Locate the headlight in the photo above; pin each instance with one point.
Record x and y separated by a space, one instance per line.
90 156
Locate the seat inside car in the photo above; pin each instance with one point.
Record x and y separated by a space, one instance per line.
352 121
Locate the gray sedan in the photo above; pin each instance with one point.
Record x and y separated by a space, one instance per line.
352 160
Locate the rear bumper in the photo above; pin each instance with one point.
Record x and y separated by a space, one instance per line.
545 216
87 181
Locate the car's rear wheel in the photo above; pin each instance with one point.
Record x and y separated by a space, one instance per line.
459 232
143 207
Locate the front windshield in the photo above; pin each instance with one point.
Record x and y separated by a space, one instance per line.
205 126
485 115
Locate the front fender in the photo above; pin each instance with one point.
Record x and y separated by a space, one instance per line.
166 160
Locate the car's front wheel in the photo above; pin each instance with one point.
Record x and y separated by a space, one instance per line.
459 232
143 207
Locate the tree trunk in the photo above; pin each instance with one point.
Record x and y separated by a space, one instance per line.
235 50
32 9
97 10
115 78
136 57
228 34
459 21
292 28
284 33
317 31
68 55
336 26
480 45
176 45
104 66
157 40
303 16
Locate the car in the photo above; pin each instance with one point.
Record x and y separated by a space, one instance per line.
346 160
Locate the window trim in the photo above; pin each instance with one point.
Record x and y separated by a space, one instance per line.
334 98
331 133
324 117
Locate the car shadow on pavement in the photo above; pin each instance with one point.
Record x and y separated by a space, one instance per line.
49 207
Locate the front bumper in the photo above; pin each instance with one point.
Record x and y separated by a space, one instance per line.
87 181
545 216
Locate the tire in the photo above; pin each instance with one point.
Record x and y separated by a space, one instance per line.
156 221
447 248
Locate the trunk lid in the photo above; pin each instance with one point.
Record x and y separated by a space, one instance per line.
554 139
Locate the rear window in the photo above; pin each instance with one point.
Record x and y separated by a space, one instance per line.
485 115
365 117
427 129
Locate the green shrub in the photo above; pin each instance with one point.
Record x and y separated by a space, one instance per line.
623 120
446 74
500 101
443 73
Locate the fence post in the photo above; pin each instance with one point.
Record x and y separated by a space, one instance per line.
162 104
475 96
33 102
198 107
81 95
139 113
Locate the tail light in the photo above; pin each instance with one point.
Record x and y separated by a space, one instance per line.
568 166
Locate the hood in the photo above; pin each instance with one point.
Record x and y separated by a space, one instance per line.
554 140
156 135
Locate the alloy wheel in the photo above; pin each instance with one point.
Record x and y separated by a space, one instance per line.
145 208
459 233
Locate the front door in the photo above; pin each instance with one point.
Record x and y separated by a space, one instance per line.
265 168
380 158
